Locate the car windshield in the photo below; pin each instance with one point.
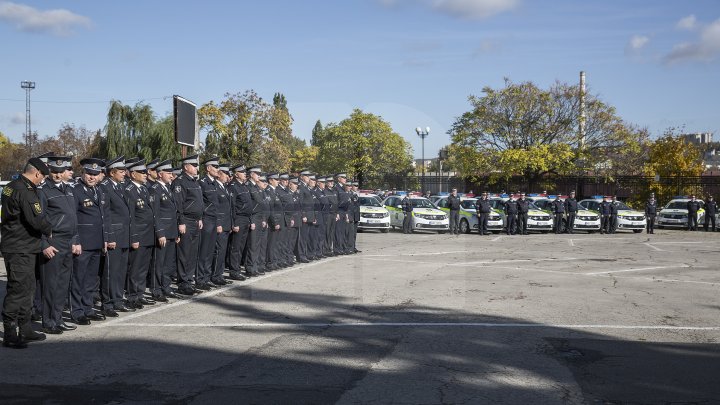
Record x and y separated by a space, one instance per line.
421 203
468 204
622 207
676 205
534 207
369 202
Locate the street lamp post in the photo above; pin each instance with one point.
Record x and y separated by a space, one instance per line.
423 134
27 85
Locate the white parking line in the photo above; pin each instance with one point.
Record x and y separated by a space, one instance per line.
654 247
212 293
420 254
552 259
640 269
491 325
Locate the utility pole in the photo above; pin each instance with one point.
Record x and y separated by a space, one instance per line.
581 128
28 85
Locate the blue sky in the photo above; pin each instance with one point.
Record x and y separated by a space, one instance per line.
414 62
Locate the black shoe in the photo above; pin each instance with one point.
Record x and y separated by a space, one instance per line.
203 287
66 327
11 337
306 260
96 317
36 317
134 305
125 308
53 331
170 295
83 320
147 301
237 276
28 334
110 313
219 282
360 251
185 291
160 298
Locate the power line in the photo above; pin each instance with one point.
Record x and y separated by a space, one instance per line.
86 102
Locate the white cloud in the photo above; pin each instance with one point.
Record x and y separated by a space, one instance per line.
638 42
706 48
687 23
474 9
58 22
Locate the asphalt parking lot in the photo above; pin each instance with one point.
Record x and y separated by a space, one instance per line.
415 319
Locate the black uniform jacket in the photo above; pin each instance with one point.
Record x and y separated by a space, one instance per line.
165 210
23 218
188 199
89 208
224 208
117 214
142 219
307 200
59 208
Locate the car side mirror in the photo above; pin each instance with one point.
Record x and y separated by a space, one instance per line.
399 206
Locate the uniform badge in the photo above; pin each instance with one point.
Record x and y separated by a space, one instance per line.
94 165
87 202
152 198
178 189
163 198
139 203
37 208
7 191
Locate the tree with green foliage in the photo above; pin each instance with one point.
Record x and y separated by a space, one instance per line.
524 130
136 131
317 134
363 145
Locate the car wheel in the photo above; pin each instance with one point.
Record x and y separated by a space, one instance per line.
442 232
464 226
637 230
385 230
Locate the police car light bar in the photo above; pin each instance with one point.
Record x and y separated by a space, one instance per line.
598 196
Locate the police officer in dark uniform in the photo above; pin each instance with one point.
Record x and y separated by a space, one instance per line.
58 203
189 201
166 233
693 206
152 176
88 266
453 203
710 211
523 209
117 234
224 222
289 221
355 199
613 214
407 209
511 212
341 222
264 230
210 230
275 220
23 226
350 225
254 260
295 212
142 235
605 209
307 202
558 210
129 162
650 214
483 208
571 207
331 216
322 215
242 207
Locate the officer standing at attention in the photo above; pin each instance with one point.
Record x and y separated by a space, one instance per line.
242 210
350 225
453 202
341 222
58 203
407 209
210 230
189 201
325 250
355 199
142 235
152 176
87 267
224 222
710 211
650 213
483 208
693 206
571 207
331 217
523 209
511 212
22 228
307 201
295 212
605 209
613 214
286 221
117 234
317 229
558 209
166 233
275 220
253 261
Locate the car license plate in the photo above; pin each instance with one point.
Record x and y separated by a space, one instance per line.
374 221
435 223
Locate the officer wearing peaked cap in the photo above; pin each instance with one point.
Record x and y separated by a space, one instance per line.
307 205
287 221
254 261
210 230
242 207
275 223
129 162
332 215
224 223
88 265
342 220
317 228
166 233
189 201
152 172
23 225
58 203
117 234
142 235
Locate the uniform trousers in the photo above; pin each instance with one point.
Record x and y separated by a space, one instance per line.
692 221
292 241
206 252
339 242
221 245
255 259
329 232
165 268
708 220
570 222
558 223
20 288
522 223
303 239
274 240
140 262
454 221
511 223
187 254
238 243
87 268
407 222
483 223
56 273
650 221
605 223
113 284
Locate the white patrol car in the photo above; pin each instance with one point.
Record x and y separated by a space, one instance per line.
627 217
675 214
585 220
538 220
425 215
372 214
468 215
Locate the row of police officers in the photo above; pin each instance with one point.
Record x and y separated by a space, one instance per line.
124 230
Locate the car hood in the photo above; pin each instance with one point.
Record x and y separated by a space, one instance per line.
427 211
587 213
631 213
375 210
